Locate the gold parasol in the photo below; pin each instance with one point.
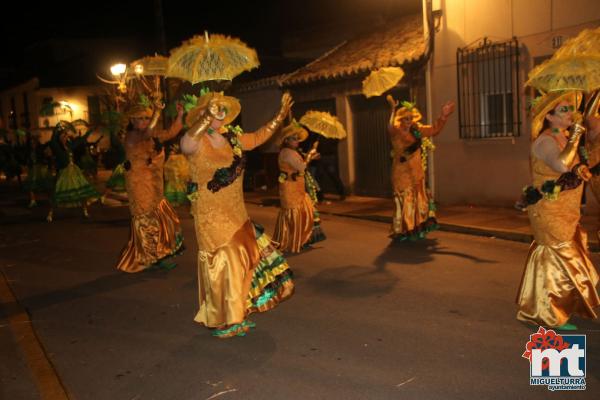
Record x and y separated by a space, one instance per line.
586 43
151 65
575 66
381 80
324 124
204 58
569 73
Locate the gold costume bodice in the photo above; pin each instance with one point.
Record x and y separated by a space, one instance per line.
554 221
219 215
144 178
291 192
410 172
593 151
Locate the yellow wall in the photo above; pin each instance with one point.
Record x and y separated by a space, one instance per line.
493 171
76 97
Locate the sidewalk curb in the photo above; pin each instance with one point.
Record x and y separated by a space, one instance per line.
447 227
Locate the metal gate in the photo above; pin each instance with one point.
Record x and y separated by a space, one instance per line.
372 161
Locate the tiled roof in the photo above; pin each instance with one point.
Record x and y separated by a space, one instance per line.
396 43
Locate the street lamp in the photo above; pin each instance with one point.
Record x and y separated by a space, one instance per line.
119 71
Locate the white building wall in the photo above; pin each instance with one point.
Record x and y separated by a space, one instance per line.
493 171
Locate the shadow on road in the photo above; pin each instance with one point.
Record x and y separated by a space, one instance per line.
97 286
353 281
419 252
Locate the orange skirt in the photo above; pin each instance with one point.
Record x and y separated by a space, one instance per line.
154 236
558 281
294 226
414 215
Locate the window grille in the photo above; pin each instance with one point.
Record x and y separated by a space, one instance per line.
488 90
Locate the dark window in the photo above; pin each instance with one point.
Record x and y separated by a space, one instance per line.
488 90
94 110
25 120
47 109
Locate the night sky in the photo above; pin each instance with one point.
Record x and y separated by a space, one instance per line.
260 23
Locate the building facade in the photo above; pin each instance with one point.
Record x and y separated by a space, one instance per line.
484 50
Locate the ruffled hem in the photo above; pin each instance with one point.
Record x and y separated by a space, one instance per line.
558 281
420 232
272 281
72 189
318 235
154 237
116 182
227 307
294 227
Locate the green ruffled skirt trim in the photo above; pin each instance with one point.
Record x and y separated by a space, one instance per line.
116 182
317 233
176 198
272 281
72 188
177 250
420 232
311 186
271 284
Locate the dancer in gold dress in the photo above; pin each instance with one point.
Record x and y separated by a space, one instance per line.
155 230
415 211
559 279
592 143
239 270
296 227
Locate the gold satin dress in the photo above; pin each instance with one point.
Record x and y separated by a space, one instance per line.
414 214
239 271
559 279
593 151
155 229
177 174
295 220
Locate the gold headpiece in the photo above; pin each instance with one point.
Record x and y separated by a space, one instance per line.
142 108
408 109
231 104
139 111
546 103
294 128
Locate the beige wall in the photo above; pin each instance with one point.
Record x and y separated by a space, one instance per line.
493 171
76 97
17 92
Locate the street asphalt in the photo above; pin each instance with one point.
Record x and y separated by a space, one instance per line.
433 319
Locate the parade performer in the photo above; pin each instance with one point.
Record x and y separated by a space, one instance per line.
592 142
115 123
83 154
39 178
414 216
559 279
177 175
9 156
296 226
155 229
239 270
72 189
